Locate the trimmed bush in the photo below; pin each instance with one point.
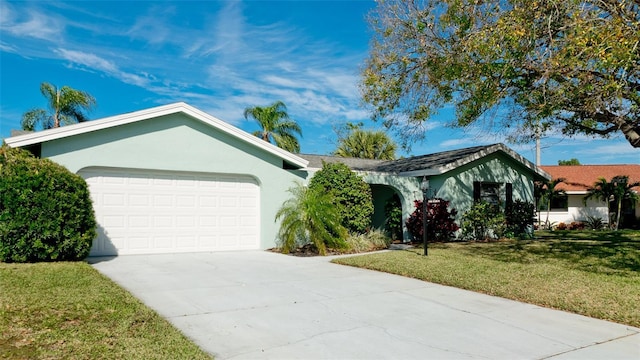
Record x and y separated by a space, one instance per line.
440 221
46 213
519 218
483 221
349 192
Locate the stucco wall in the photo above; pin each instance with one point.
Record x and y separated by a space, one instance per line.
456 186
180 143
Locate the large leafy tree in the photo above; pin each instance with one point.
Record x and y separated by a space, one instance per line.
614 191
366 144
275 125
310 216
524 66
66 106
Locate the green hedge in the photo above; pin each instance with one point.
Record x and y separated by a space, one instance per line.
46 213
350 193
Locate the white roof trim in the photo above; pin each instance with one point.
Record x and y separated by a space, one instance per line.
180 107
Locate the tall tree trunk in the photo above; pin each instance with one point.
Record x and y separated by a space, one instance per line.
56 109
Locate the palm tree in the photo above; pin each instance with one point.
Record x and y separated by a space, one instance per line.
550 193
366 144
66 105
615 191
310 216
275 124
538 194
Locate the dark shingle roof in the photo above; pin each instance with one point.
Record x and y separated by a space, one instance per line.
430 161
315 161
437 163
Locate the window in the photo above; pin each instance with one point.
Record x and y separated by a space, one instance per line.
558 203
493 193
487 192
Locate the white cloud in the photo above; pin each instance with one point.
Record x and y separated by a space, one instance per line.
89 60
8 48
458 143
30 23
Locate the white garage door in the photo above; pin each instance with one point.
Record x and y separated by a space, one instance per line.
153 212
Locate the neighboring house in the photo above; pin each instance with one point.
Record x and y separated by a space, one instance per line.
578 179
175 179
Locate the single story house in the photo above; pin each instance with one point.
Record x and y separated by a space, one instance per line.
492 173
175 179
577 180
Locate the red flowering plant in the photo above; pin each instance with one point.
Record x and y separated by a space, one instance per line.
441 224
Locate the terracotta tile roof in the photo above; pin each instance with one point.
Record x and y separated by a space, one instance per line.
579 178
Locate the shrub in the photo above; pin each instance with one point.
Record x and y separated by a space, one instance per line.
519 218
45 211
371 241
576 225
349 192
483 221
561 226
310 216
440 221
393 215
595 223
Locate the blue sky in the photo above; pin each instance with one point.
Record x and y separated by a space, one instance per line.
222 57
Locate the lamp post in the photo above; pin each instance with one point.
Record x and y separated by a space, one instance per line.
424 186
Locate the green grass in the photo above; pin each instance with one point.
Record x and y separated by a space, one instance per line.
596 274
70 311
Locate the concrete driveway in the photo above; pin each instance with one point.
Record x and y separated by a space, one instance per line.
248 305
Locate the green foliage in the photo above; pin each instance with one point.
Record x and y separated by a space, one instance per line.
519 218
569 66
595 223
483 222
366 144
548 192
370 241
570 162
66 106
351 195
613 192
45 211
393 215
275 124
310 216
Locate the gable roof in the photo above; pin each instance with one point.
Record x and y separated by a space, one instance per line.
431 164
142 115
578 178
445 161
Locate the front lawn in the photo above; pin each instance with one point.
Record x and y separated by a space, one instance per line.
70 311
596 274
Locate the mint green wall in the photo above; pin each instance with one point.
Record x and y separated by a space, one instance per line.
407 188
457 185
180 143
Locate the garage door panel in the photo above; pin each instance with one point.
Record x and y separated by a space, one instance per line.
143 212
